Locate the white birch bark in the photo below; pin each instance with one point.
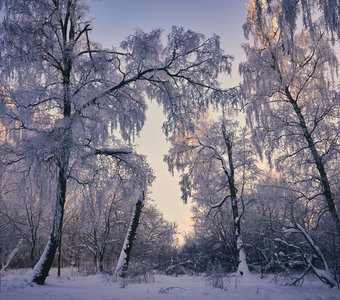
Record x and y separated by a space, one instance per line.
12 254
124 257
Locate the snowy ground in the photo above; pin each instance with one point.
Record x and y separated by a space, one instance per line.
16 286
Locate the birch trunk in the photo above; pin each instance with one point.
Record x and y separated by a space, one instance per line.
12 254
124 257
67 27
327 193
242 267
42 268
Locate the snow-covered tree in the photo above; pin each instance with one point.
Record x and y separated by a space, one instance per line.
25 204
306 11
68 96
291 97
27 209
215 166
156 240
264 219
100 211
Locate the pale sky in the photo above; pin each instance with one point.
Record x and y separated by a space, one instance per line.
114 20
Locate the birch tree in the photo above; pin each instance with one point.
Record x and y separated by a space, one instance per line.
125 254
106 202
26 209
69 96
213 167
304 10
156 241
291 97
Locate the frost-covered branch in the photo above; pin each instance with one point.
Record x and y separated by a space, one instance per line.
218 204
325 275
112 152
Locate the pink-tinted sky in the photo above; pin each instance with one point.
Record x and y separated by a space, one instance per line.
113 20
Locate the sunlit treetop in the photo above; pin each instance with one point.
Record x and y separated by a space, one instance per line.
306 10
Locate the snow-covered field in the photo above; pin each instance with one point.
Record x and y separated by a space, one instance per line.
16 286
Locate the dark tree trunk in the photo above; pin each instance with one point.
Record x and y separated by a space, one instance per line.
32 253
242 264
59 255
326 187
45 262
101 263
124 258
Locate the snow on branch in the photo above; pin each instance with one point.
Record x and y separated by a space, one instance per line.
113 152
218 204
325 275
290 230
288 244
108 152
